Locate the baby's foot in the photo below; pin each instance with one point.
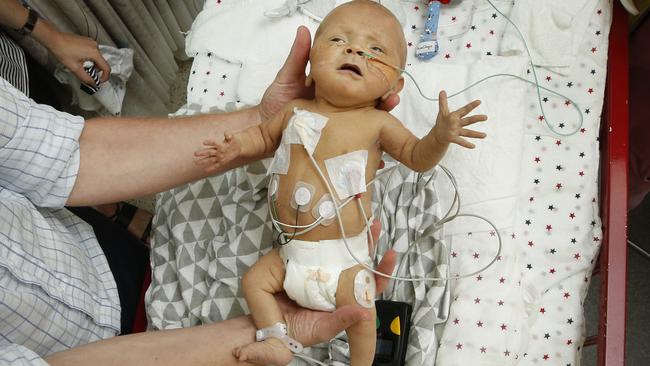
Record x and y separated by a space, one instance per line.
269 352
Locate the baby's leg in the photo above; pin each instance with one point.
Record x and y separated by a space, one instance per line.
259 284
362 336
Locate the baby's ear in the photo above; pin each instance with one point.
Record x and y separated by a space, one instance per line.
394 90
308 81
399 86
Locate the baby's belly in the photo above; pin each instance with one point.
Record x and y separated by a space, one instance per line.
289 212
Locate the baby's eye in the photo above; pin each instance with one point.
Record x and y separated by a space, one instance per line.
377 49
337 40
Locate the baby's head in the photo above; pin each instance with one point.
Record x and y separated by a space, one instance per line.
343 73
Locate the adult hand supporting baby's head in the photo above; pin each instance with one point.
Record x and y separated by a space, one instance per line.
289 83
389 103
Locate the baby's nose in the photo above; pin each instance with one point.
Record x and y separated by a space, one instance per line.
350 50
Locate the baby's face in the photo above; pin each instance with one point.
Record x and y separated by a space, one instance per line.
342 74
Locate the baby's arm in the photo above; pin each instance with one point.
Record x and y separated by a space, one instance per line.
422 154
244 146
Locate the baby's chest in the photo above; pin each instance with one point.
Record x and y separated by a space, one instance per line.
343 136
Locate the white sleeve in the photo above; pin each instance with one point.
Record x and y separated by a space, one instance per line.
39 148
15 355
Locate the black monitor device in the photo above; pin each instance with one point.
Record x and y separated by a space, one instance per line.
393 325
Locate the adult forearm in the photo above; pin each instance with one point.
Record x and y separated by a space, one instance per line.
124 158
12 14
202 345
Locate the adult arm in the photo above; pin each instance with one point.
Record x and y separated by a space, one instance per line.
213 344
70 49
243 147
124 158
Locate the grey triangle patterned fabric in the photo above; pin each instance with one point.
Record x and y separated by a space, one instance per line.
208 233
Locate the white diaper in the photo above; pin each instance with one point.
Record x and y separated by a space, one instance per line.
313 268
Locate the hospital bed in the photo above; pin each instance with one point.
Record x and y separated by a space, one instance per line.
184 224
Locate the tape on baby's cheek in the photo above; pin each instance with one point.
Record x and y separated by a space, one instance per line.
365 288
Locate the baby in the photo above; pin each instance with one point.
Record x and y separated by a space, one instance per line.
325 150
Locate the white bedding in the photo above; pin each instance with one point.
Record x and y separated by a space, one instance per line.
540 189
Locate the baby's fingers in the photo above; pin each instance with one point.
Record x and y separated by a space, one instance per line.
202 161
472 134
210 151
468 108
209 164
210 143
473 119
443 107
464 143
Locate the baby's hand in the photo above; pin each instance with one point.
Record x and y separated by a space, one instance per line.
217 154
450 125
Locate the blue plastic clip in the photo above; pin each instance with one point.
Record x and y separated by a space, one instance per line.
428 46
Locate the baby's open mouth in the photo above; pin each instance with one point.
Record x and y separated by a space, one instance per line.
353 68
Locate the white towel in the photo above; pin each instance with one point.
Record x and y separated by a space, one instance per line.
552 29
240 33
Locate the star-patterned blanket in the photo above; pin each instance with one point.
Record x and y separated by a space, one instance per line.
526 309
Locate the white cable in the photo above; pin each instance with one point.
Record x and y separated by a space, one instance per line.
277 223
337 208
639 249
344 237
367 220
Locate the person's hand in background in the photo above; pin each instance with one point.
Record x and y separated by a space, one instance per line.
72 50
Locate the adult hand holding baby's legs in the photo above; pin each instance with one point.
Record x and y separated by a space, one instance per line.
213 343
311 327
307 326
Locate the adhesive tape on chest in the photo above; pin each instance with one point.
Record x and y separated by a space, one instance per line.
324 208
348 173
273 186
281 159
302 195
365 288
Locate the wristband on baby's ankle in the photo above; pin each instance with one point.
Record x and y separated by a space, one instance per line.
279 331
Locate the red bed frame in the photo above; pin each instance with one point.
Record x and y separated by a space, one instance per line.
613 191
